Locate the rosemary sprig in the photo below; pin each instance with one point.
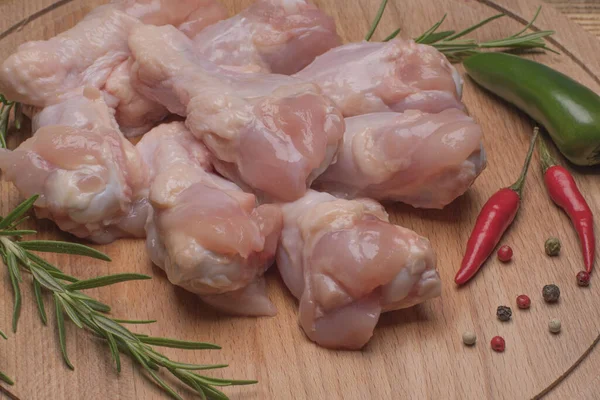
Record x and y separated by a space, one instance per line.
90 314
452 44
5 110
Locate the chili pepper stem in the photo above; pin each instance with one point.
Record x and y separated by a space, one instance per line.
546 158
518 185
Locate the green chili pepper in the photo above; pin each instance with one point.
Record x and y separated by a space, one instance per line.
569 111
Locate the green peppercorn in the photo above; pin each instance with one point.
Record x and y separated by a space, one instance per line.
504 313
551 293
552 247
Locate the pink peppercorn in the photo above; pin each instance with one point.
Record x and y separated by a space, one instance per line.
505 253
583 278
523 302
498 344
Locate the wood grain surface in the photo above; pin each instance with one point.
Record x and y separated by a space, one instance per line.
584 12
415 353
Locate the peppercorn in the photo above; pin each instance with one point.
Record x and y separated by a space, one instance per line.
583 278
504 313
554 325
505 253
498 344
469 338
552 247
523 302
551 293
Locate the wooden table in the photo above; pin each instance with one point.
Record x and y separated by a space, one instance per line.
96 379
585 12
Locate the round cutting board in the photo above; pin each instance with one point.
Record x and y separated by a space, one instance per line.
415 353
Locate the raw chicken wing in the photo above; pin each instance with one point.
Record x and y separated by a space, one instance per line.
90 179
271 133
189 16
279 36
94 53
43 73
347 264
425 160
399 75
204 231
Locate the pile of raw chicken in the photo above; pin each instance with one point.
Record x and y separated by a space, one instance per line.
264 139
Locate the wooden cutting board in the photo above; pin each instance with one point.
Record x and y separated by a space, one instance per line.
415 353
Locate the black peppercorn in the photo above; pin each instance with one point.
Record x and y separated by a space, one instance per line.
504 313
551 293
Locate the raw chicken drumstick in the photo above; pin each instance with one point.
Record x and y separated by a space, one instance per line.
425 160
90 179
204 231
273 134
347 264
279 36
399 75
94 53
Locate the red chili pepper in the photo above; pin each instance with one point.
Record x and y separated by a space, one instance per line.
495 217
563 190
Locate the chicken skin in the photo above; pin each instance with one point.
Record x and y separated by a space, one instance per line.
94 53
204 231
425 160
278 36
399 75
91 180
272 134
347 264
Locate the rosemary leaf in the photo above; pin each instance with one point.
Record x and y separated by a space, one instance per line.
392 35
106 281
62 276
178 344
37 290
134 321
60 323
194 367
183 376
474 27
40 261
92 303
215 393
45 279
18 115
6 379
13 268
164 385
431 30
70 311
377 20
17 293
437 36
18 211
52 246
18 222
114 350
4 118
223 382
530 24
114 328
